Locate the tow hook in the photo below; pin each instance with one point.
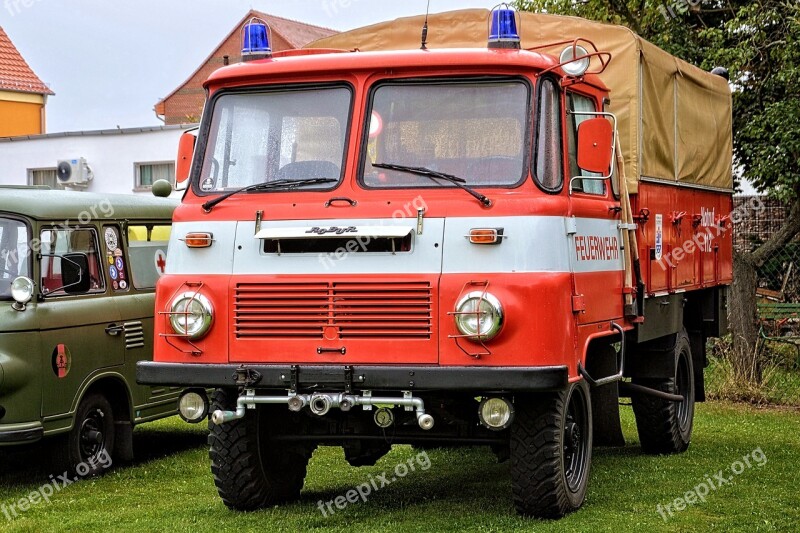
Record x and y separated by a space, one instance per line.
321 403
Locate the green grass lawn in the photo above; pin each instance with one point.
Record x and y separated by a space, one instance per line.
170 487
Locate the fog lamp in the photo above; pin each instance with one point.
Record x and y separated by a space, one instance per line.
496 413
193 406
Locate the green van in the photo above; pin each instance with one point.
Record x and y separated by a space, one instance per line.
77 282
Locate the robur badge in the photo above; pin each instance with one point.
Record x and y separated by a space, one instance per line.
333 229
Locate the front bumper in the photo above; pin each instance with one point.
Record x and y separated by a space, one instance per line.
20 433
361 377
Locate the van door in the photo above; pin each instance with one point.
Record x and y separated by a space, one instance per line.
80 335
138 268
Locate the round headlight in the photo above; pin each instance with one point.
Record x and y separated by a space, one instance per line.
191 314
479 316
578 62
22 290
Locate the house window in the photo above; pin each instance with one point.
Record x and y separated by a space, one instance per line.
148 173
43 177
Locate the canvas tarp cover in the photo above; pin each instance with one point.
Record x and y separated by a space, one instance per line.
674 119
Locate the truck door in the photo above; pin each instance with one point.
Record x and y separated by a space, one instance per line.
78 335
595 238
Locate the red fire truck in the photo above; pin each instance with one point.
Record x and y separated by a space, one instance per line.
482 237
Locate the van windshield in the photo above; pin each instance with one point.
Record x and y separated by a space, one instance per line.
14 254
475 130
272 136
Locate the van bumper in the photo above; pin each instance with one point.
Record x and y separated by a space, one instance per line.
362 377
20 433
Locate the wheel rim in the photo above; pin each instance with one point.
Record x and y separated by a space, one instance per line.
683 386
92 438
575 440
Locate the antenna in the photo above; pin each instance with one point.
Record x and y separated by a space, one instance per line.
425 28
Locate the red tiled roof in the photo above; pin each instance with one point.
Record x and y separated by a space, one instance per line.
15 74
285 31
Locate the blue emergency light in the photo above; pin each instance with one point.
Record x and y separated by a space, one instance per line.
255 40
503 32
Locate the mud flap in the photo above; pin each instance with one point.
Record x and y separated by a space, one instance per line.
123 441
605 399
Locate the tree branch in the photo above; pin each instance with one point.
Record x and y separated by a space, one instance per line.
788 231
621 9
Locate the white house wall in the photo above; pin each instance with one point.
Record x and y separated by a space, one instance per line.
111 155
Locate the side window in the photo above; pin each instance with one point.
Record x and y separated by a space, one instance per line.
147 250
115 259
577 104
55 243
549 173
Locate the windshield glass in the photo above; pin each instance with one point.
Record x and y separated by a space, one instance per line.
14 254
277 135
475 130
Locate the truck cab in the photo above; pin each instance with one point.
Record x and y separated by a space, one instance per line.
414 246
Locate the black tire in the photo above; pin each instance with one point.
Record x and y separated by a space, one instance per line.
551 451
665 427
250 473
86 450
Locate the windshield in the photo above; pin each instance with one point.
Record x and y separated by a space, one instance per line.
14 254
474 130
277 135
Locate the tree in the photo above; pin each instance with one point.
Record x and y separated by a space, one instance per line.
759 42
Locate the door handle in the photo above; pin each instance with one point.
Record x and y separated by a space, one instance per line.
114 330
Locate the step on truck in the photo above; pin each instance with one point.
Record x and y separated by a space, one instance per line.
483 233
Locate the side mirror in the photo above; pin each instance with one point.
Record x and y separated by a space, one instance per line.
595 145
183 165
75 273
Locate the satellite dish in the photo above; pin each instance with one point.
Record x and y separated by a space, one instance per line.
64 171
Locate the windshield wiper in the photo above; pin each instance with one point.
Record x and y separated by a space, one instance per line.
269 186
433 174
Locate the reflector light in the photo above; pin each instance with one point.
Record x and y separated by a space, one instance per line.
256 40
503 32
485 236
199 240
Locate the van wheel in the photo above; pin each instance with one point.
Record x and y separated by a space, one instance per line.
551 451
250 473
86 449
665 427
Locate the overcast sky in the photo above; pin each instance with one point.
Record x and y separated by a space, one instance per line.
110 61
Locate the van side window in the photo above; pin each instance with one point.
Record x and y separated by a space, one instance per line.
147 252
549 172
577 104
57 242
115 259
